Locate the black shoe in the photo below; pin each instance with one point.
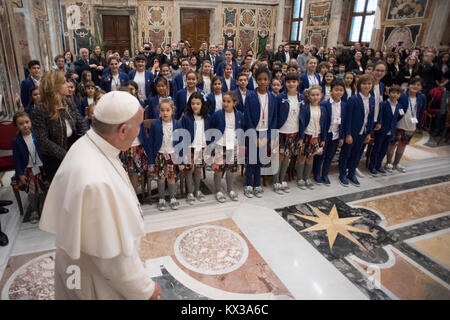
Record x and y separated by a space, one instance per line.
3 210
5 203
3 239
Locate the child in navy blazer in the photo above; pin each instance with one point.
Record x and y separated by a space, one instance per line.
310 77
260 116
163 161
34 68
413 104
28 166
313 135
357 128
328 78
336 116
215 97
182 96
349 81
385 128
145 78
227 121
152 102
35 99
289 105
228 83
196 120
242 91
89 91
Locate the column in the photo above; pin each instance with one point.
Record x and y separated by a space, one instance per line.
279 26
437 24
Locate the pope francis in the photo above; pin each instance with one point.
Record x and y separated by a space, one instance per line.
92 208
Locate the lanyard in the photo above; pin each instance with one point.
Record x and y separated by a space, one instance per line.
34 161
127 181
263 106
413 108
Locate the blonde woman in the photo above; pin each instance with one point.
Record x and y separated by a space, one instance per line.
56 121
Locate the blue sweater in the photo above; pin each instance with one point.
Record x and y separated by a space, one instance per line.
305 116
156 139
355 116
328 107
283 107
21 154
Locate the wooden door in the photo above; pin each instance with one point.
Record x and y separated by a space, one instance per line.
116 33
195 27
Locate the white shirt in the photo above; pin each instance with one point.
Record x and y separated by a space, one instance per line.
33 160
378 101
139 78
263 123
69 130
115 83
406 122
228 82
327 93
36 82
349 92
244 95
206 85
188 94
336 119
184 81
218 102
90 101
136 142
366 111
287 56
229 135
167 143
312 80
313 128
199 138
292 122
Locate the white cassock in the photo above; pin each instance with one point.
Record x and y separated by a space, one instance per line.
95 214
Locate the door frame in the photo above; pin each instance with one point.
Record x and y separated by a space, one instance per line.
131 12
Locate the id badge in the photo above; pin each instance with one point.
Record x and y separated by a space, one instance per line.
414 120
35 170
401 112
337 120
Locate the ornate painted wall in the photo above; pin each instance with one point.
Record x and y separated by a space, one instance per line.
155 22
249 26
317 22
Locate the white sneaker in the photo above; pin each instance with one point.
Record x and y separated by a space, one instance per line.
388 167
301 184
309 184
359 174
233 195
220 197
174 204
277 188
285 187
400 168
162 204
200 196
258 192
248 191
190 198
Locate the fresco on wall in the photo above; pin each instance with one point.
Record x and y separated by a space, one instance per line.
248 18
406 9
157 37
157 16
229 34
405 36
82 38
246 39
319 14
317 37
264 18
229 17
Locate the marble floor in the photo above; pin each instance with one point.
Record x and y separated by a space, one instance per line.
388 239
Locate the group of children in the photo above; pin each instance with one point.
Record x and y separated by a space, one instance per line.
313 113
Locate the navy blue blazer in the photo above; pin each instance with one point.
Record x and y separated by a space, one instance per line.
381 85
26 87
388 120
421 104
156 138
178 83
305 116
211 103
240 105
250 85
355 115
345 97
283 107
221 67
233 85
152 103
21 154
188 123
180 101
218 121
328 107
304 81
253 112
144 137
149 78
105 83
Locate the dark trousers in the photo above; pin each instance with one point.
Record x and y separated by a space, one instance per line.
328 154
379 150
50 165
253 175
351 155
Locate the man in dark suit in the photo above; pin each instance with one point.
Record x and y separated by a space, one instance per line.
85 63
34 69
214 58
167 55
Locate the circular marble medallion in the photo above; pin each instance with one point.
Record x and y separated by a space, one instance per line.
32 281
211 250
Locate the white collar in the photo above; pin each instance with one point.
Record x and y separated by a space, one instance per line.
108 149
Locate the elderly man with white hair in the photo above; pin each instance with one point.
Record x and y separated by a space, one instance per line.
84 62
93 209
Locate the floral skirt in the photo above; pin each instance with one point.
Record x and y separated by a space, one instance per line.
165 168
288 144
310 145
220 160
34 183
134 159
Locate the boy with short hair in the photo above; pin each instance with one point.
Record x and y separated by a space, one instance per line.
34 80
